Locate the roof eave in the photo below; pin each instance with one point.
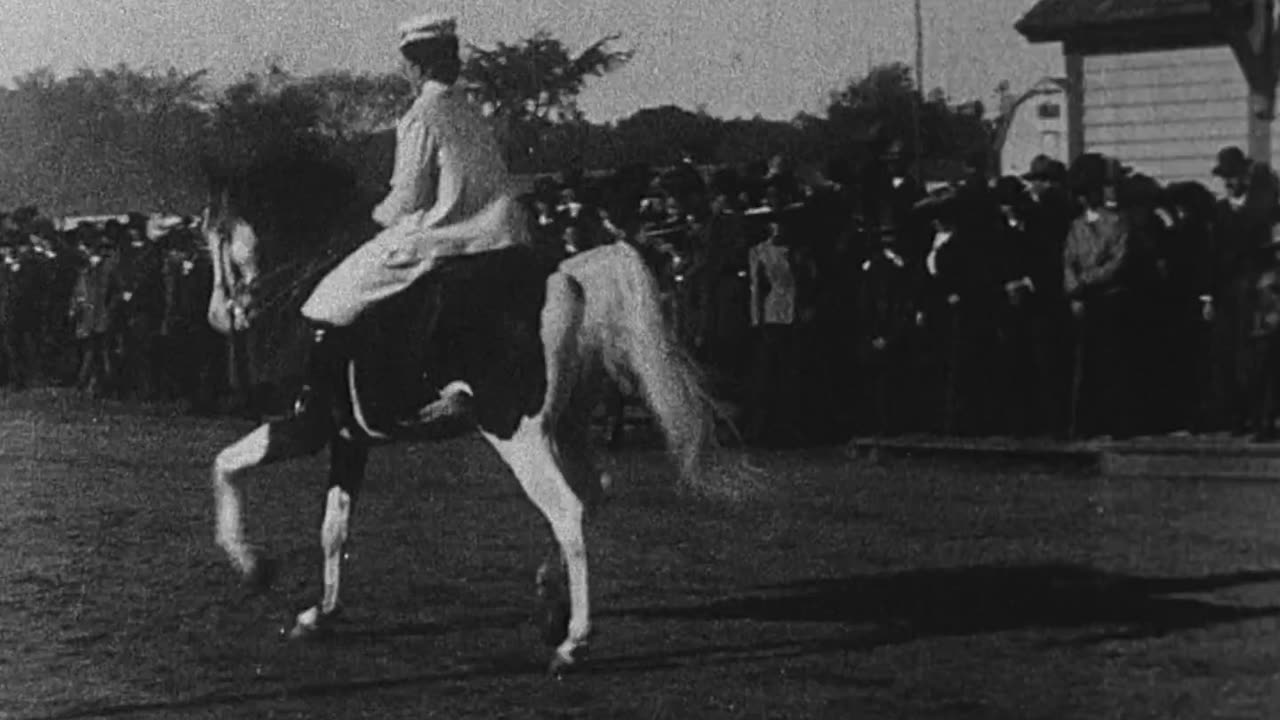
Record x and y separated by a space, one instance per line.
1036 32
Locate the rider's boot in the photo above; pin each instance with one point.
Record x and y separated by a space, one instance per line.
326 363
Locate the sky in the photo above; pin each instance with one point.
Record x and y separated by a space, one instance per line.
736 58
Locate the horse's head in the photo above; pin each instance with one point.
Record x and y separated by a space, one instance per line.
279 218
233 247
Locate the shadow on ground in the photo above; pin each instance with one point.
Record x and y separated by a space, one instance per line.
990 599
854 614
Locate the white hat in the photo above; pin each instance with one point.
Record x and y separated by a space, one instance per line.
428 27
158 225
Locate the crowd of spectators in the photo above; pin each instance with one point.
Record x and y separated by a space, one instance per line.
116 307
1071 302
1079 302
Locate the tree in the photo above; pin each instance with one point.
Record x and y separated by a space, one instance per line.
103 140
533 83
538 77
262 114
350 105
883 106
755 140
884 101
661 135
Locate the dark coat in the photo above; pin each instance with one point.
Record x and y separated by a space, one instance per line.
22 282
1046 222
188 283
92 300
140 285
885 305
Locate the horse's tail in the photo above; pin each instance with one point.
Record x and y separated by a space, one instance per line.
624 327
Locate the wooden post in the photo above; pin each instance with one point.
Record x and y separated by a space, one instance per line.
1252 40
1261 118
1075 104
1262 84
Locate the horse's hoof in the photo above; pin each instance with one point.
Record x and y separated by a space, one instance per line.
562 663
261 576
301 632
559 667
311 624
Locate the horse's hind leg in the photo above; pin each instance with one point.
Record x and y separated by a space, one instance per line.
269 443
531 457
578 457
347 462
615 403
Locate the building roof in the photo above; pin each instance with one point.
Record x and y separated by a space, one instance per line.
1054 20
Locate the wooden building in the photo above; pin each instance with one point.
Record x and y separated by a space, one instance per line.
1034 124
1164 84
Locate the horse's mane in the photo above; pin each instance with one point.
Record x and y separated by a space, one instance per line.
308 200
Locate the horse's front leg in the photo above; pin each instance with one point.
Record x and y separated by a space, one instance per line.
554 608
272 442
347 460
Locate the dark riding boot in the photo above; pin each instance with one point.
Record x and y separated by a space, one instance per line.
326 361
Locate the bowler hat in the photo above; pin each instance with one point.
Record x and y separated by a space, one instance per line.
1090 171
1046 168
1009 190
1232 163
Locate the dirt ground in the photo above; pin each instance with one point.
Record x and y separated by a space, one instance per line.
908 590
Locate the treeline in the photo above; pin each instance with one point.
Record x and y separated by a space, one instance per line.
116 139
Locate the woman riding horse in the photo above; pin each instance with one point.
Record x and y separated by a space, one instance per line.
451 195
512 348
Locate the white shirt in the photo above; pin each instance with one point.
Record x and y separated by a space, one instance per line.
779 304
451 193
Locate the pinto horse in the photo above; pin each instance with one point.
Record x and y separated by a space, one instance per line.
530 344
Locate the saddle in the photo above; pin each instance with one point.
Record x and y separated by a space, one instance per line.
474 319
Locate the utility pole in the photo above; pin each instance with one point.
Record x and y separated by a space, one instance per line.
920 48
919 149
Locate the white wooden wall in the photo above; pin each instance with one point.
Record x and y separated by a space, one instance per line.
1166 113
1030 135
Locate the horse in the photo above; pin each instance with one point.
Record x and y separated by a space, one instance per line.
531 346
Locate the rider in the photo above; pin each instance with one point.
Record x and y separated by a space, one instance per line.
451 194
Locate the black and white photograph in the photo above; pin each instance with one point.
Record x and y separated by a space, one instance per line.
603 359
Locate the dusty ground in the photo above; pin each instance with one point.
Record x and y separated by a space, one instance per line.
853 591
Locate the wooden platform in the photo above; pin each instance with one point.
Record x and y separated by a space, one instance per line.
1206 457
